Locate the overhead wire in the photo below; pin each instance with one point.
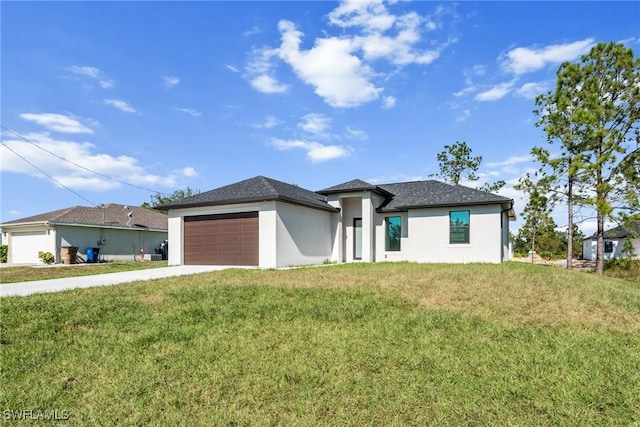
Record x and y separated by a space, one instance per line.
76 164
47 175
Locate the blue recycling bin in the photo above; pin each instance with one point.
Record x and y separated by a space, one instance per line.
92 254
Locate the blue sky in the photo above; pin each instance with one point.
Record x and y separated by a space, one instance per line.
119 99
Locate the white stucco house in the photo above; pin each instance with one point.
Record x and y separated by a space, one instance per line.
613 242
118 232
267 223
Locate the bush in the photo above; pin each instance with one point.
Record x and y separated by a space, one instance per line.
3 253
623 268
46 257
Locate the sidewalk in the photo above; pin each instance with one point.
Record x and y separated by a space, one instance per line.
55 285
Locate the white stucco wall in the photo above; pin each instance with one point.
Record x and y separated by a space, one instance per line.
303 235
589 248
425 236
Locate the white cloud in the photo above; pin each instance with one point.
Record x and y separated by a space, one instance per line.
253 31
499 91
57 122
316 152
232 68
532 90
85 154
93 73
388 102
372 15
170 81
341 68
84 71
267 84
523 60
120 105
463 116
269 123
315 124
352 133
513 160
106 84
189 172
191 111
259 70
338 76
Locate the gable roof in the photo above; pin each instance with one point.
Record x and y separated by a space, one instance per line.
255 189
110 215
619 232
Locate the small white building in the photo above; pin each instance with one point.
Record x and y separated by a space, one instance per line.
267 223
115 232
613 242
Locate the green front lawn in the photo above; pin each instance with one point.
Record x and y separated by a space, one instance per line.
28 274
358 344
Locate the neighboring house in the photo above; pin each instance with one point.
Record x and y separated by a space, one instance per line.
118 232
613 242
267 223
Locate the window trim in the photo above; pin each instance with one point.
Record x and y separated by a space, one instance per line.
468 227
387 241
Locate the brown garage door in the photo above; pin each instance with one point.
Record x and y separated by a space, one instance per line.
229 239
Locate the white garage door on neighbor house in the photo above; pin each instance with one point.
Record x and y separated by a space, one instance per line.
26 245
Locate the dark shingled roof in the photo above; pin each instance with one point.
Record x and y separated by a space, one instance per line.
620 232
418 194
355 185
431 193
114 216
256 189
398 197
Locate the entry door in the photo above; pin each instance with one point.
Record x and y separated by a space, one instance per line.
357 238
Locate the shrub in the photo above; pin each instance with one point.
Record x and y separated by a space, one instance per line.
46 257
3 253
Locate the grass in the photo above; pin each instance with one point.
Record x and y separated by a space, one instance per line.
27 274
357 344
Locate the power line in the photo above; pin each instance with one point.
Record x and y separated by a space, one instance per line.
77 165
47 175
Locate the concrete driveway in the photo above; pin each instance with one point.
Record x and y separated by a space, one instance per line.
55 285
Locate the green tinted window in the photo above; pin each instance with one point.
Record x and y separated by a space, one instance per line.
459 226
394 229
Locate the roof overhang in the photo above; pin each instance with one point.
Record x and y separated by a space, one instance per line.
243 200
111 226
508 207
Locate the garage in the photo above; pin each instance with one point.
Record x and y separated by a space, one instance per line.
225 239
25 246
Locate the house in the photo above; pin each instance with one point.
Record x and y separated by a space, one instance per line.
267 223
118 232
613 242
